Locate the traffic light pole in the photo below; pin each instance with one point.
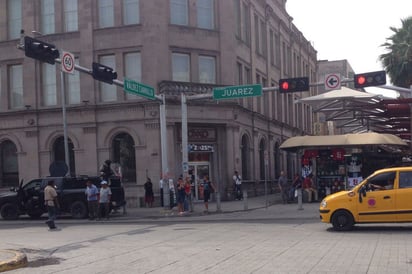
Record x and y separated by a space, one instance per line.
159 98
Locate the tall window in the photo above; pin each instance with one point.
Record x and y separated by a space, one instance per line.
181 67
14 18
108 92
205 14
246 23
70 15
131 13
179 14
49 85
257 33
16 86
207 69
238 19
47 16
133 69
106 13
73 87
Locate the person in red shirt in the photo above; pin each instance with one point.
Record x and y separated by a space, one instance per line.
309 187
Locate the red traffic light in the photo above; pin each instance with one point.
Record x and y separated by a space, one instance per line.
369 79
294 84
285 85
361 80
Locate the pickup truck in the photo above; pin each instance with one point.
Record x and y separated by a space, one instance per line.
29 198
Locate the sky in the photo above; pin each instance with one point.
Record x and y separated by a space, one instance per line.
350 29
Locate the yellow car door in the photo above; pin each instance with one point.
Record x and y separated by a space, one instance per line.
378 204
403 197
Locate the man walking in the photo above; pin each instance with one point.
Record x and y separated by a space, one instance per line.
50 200
284 187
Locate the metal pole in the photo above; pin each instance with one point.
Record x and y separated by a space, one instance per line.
163 145
185 164
66 143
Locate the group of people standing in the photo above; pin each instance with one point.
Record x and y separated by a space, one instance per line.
289 191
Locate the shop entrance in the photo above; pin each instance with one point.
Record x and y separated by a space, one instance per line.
197 171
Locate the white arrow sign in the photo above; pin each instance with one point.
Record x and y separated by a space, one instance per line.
332 81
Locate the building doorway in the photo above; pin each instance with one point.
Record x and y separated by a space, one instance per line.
197 171
9 175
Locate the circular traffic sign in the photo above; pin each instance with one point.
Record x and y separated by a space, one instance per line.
68 62
332 81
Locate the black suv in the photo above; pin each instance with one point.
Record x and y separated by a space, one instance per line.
29 198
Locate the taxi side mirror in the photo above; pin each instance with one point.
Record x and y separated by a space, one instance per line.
362 193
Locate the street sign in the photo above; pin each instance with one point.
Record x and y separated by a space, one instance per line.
137 88
332 81
67 62
237 92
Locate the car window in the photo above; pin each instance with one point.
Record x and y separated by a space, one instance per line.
33 184
405 179
382 178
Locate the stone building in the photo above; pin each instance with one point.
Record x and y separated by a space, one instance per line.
175 46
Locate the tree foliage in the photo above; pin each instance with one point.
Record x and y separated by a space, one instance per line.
398 58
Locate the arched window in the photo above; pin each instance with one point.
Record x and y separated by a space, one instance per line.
262 147
59 154
9 164
124 154
245 157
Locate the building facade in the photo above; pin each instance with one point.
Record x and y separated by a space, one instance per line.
176 46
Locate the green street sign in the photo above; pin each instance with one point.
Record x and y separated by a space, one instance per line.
137 88
237 92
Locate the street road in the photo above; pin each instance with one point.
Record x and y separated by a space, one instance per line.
240 242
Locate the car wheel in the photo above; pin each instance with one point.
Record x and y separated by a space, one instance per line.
78 210
9 211
342 220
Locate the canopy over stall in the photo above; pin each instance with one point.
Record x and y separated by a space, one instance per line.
345 140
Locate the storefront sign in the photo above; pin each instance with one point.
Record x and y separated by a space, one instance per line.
201 148
199 134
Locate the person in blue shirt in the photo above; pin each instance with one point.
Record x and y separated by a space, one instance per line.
92 194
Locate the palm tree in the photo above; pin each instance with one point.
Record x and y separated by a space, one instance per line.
398 60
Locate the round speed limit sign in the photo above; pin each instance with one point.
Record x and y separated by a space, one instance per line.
68 62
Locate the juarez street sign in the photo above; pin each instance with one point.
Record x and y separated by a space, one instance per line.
237 92
138 89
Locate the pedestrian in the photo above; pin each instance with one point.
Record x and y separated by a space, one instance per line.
106 170
104 200
309 187
207 189
181 195
296 187
148 193
188 192
237 186
92 195
284 186
52 203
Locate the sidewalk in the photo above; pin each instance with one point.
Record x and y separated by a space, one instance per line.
272 204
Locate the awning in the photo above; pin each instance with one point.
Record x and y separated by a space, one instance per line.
345 140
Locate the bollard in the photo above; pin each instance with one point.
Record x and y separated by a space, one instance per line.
218 204
245 205
300 199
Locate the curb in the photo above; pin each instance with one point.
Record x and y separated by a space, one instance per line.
18 261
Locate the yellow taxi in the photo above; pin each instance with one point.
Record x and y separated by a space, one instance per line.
383 197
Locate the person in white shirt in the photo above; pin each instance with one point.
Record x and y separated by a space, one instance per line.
237 181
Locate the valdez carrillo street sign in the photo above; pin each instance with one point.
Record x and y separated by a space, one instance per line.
237 92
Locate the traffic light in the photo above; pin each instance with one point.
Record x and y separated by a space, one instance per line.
40 50
376 78
103 73
294 84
